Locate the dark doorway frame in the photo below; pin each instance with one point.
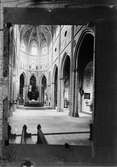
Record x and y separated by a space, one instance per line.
58 16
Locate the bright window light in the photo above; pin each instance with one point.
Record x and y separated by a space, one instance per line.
34 50
23 47
44 50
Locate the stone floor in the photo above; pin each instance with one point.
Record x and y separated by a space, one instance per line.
79 152
52 121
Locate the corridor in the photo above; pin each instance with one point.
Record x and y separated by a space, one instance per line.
53 122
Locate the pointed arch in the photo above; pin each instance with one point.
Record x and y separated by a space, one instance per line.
33 80
33 92
84 55
55 85
63 61
65 81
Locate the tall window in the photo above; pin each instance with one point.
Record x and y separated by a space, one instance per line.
23 46
34 48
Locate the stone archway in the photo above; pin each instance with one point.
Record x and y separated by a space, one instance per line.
55 86
84 74
33 93
65 82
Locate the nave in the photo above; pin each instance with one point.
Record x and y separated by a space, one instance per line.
53 122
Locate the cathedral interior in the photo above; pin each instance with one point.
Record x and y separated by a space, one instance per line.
41 70
58 90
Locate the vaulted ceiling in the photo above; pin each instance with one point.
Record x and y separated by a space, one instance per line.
42 34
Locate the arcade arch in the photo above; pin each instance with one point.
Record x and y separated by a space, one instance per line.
84 74
55 85
33 93
65 81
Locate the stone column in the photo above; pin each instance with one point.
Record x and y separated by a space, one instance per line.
105 107
15 88
62 93
40 92
42 95
73 94
59 95
76 87
52 97
71 90
59 92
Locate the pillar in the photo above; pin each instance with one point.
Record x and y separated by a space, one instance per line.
60 105
76 107
105 106
40 93
52 96
71 92
62 94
